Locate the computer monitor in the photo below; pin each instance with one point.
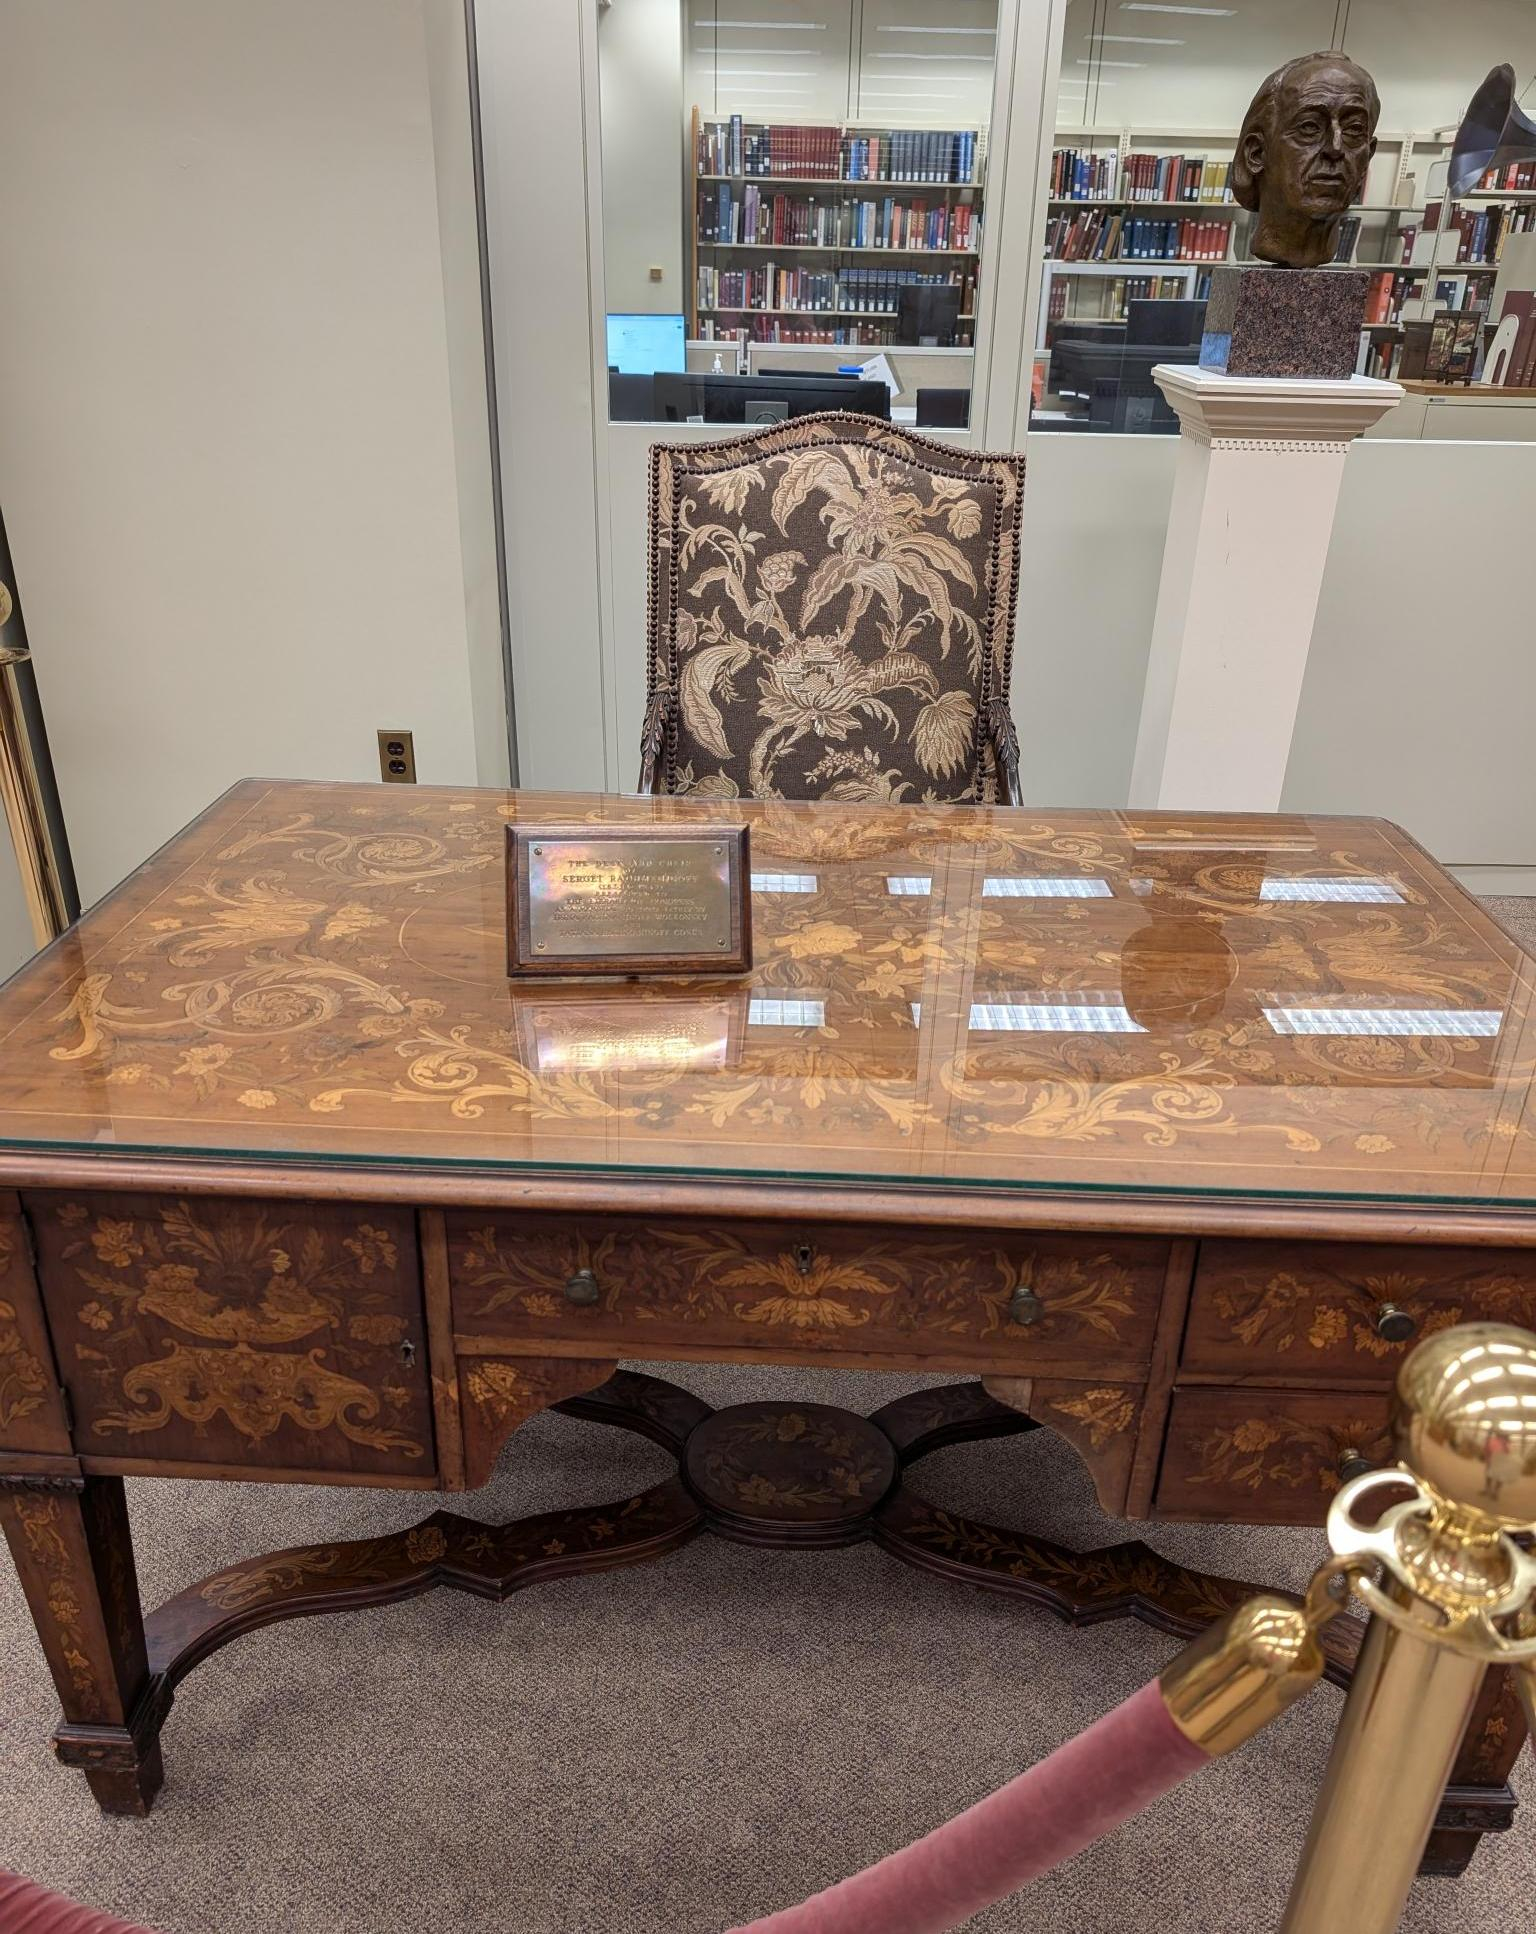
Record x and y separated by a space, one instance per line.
927 314
631 399
1171 324
640 345
764 399
943 409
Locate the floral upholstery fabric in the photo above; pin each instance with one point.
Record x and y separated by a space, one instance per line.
831 613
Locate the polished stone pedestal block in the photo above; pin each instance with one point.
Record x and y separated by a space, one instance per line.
1264 321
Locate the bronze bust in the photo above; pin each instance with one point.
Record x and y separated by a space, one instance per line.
1306 142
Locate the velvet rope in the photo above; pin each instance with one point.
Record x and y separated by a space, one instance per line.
27 1909
1082 1791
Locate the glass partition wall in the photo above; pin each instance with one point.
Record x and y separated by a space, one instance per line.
794 201
1140 205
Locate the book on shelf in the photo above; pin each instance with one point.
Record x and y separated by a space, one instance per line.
1078 174
1482 231
749 215
866 332
1349 235
770 287
1083 174
1517 174
1379 356
1176 177
1101 235
738 147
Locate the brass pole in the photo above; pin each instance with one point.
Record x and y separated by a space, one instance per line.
28 795
21 795
1453 1600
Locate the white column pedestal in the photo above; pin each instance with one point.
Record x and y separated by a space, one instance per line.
1259 467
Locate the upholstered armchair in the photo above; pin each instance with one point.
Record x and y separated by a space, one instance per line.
831 616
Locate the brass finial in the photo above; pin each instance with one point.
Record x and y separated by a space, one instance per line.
1464 1417
1464 1420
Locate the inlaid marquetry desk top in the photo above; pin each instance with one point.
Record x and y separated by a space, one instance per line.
1023 1003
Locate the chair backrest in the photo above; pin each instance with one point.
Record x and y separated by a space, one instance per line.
831 614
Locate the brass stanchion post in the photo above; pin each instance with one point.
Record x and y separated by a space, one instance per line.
26 779
1454 1597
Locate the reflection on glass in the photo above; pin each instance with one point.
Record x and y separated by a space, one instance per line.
783 882
1083 1013
1473 1022
1356 889
908 885
805 183
769 1011
609 1036
1045 887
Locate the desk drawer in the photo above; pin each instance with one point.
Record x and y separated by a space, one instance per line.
240 1334
1265 1456
878 1292
1317 1311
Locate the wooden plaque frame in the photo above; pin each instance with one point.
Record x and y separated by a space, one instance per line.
525 962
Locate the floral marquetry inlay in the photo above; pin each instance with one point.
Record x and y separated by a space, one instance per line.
942 994
1316 1309
868 1289
229 1332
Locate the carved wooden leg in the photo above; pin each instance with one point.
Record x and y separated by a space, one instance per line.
74 1553
1478 1797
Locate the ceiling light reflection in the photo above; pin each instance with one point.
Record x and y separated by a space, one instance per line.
1045 887
1365 888
764 1011
1476 1022
1041 1014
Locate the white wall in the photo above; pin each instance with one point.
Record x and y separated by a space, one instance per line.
640 77
539 112
908 63
1421 685
243 532
1193 71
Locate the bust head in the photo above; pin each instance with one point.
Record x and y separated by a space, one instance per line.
1306 142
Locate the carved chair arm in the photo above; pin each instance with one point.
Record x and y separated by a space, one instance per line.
1005 750
660 709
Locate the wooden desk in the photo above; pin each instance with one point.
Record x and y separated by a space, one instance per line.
1173 1131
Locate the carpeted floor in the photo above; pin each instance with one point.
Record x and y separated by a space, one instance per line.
671 1749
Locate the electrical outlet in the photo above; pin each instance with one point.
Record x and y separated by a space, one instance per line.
397 759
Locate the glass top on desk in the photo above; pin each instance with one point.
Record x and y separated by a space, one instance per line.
943 995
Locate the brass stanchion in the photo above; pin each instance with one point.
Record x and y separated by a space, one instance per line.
27 794
1455 1596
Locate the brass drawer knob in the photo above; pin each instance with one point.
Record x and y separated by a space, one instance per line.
1024 1306
1352 1465
582 1289
1395 1324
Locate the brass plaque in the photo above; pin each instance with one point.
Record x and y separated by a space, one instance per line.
627 900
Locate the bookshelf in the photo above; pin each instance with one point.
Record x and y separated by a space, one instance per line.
787 223
1169 187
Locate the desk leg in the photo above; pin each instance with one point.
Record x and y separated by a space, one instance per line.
73 1550
1478 1798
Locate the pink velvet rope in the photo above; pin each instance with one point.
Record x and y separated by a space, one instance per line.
1082 1791
26 1909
